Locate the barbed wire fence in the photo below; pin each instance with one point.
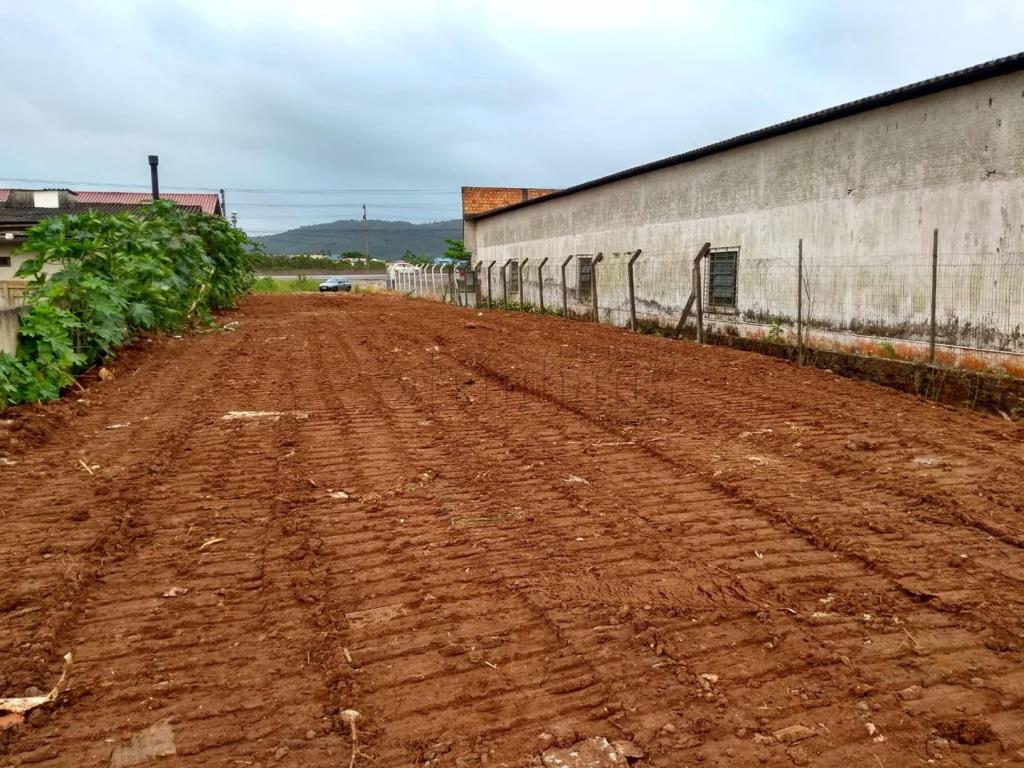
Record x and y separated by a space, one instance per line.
951 308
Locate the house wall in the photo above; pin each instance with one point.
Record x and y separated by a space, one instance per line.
479 199
864 193
7 250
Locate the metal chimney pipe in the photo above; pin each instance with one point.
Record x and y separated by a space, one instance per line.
154 161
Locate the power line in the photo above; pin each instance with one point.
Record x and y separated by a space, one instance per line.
250 190
299 216
357 206
421 227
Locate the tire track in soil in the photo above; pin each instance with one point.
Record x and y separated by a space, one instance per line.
940 531
456 650
229 662
473 596
964 644
80 519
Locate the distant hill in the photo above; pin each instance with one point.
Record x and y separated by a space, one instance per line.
389 240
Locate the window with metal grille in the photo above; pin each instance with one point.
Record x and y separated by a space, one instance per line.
722 279
513 276
585 274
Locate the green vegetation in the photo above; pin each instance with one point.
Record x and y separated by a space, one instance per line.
456 250
388 239
313 263
161 269
516 306
887 350
302 284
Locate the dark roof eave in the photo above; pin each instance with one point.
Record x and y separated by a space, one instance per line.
1002 66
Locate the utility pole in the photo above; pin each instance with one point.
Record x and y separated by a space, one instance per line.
154 161
366 235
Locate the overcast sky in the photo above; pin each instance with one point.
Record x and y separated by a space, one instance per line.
374 95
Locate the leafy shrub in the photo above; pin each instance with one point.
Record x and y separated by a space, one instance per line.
159 269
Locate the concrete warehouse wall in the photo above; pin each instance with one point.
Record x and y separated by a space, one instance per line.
864 193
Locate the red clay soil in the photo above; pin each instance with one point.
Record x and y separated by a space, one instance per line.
492 534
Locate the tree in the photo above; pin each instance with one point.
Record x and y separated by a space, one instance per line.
456 250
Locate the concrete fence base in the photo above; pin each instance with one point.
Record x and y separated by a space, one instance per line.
972 389
9 317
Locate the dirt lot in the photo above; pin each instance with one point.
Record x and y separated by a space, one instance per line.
494 534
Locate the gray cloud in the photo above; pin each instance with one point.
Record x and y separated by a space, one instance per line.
436 95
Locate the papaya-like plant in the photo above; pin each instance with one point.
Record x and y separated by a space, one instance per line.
95 279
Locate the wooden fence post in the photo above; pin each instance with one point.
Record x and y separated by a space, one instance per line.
800 302
935 284
593 284
698 293
694 291
565 292
540 281
632 290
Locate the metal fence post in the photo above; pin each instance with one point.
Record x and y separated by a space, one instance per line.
800 302
632 291
935 282
522 285
565 292
489 294
593 284
540 281
504 283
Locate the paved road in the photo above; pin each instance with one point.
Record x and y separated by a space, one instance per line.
358 278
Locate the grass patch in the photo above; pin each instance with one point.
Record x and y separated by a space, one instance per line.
273 285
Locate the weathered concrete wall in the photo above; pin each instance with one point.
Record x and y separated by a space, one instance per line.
9 329
863 192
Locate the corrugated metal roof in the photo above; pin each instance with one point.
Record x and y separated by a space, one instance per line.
206 202
994 68
27 217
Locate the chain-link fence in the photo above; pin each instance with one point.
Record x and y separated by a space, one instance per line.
951 308
441 283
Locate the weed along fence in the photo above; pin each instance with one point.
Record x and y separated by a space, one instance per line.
940 306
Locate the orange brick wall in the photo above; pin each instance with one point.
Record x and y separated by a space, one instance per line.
480 199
